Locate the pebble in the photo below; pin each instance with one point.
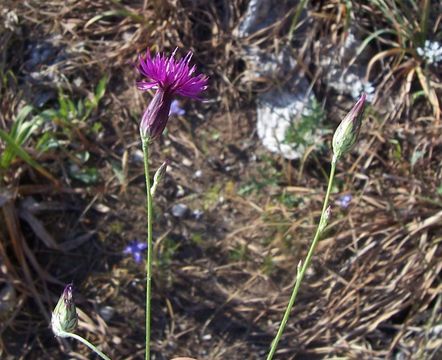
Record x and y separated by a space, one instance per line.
179 210
197 214
107 313
198 174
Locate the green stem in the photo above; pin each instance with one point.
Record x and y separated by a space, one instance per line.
88 344
145 142
298 12
301 271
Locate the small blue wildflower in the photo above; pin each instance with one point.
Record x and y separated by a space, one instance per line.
136 249
344 201
176 109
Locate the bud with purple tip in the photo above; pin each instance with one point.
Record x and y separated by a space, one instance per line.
64 317
348 130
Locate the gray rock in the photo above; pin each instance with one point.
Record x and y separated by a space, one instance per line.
263 13
280 110
107 313
179 210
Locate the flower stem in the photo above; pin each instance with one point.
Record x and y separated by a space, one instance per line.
145 142
301 271
87 343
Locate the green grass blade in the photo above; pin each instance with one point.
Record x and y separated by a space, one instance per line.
20 152
22 115
101 89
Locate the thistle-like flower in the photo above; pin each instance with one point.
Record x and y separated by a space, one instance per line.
64 317
348 130
170 77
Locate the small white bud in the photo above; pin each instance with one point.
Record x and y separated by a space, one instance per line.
159 175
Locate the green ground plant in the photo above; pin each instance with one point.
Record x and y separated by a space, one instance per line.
344 139
23 127
403 29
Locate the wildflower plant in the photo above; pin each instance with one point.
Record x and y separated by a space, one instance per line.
169 78
344 139
409 30
64 320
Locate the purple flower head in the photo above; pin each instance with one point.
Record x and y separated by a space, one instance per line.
344 201
136 249
170 77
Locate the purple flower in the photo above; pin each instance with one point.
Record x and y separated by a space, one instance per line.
344 201
176 109
136 249
170 77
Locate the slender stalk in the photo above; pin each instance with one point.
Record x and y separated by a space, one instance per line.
424 21
88 344
145 142
298 12
303 268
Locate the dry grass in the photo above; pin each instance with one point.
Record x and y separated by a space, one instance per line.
223 281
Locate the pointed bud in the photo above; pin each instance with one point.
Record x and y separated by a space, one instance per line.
156 115
324 219
64 317
158 177
348 130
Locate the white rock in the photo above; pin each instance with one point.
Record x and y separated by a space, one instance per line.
277 112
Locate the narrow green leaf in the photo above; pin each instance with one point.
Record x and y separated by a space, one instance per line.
101 89
20 152
20 118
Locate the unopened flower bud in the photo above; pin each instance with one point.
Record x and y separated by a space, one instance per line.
324 219
348 130
158 177
64 317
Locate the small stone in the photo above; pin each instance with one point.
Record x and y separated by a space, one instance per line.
186 162
78 81
179 210
137 156
127 36
197 214
198 174
116 340
8 300
180 191
107 313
